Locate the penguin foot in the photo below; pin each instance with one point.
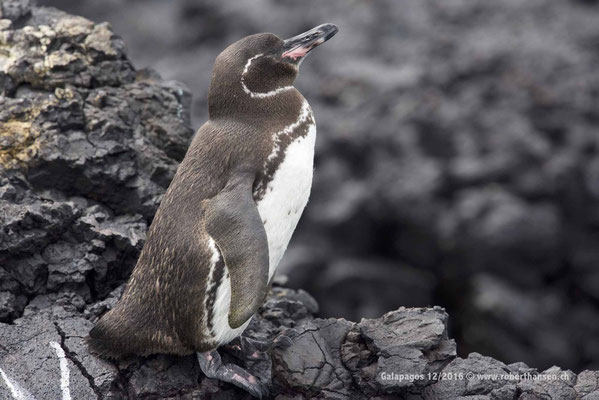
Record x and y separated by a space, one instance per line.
248 349
282 341
252 349
213 367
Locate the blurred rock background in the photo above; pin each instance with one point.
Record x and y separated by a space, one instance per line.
457 159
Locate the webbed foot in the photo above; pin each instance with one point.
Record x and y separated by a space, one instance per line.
213 367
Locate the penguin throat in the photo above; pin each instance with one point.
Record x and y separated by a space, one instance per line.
304 119
259 95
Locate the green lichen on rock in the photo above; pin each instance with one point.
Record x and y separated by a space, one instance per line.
53 49
84 155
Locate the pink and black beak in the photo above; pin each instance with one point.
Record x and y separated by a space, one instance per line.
296 48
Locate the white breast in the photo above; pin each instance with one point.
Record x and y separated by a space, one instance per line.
286 196
280 208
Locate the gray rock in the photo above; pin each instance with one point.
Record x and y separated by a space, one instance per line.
313 363
553 383
15 9
86 149
475 375
37 353
587 384
405 353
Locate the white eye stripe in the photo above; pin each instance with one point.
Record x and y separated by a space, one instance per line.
259 95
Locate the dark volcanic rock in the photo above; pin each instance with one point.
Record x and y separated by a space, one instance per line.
87 147
404 354
86 151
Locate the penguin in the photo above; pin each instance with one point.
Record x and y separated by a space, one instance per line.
228 215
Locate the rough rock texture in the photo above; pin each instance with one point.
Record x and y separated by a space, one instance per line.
457 158
404 354
87 147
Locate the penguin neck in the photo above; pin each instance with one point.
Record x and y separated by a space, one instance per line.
280 139
233 102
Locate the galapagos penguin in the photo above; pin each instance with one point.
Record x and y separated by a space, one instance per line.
228 215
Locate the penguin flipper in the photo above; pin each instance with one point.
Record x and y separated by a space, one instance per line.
234 223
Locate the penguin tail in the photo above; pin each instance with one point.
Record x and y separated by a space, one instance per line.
104 340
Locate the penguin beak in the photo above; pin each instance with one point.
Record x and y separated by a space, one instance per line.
296 48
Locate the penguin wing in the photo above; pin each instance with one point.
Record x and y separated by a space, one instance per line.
234 223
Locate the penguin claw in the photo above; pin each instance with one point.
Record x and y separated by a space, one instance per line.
212 366
242 379
247 349
282 341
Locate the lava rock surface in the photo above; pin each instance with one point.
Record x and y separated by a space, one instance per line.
404 354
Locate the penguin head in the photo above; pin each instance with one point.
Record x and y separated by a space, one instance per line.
263 65
295 49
